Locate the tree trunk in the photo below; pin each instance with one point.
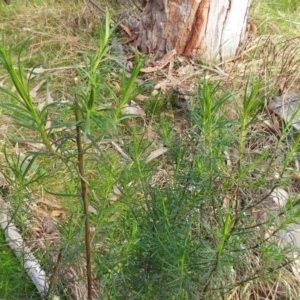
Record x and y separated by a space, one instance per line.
213 29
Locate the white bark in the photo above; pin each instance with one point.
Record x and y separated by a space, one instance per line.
225 29
213 29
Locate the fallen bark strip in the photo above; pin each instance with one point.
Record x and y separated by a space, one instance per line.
27 258
161 63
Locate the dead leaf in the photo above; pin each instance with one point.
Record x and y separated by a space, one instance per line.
155 92
116 86
92 210
33 72
133 110
129 65
156 154
128 32
37 70
115 195
58 213
117 191
141 98
113 198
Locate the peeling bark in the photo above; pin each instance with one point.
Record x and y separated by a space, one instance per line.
213 29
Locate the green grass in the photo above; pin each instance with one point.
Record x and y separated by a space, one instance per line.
14 282
276 17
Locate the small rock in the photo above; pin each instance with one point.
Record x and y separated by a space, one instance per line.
287 107
48 225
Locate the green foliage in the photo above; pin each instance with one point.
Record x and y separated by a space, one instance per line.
284 5
276 16
14 283
181 240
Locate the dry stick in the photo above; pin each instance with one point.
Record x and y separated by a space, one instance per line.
54 272
84 195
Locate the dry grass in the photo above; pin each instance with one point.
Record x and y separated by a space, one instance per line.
56 31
